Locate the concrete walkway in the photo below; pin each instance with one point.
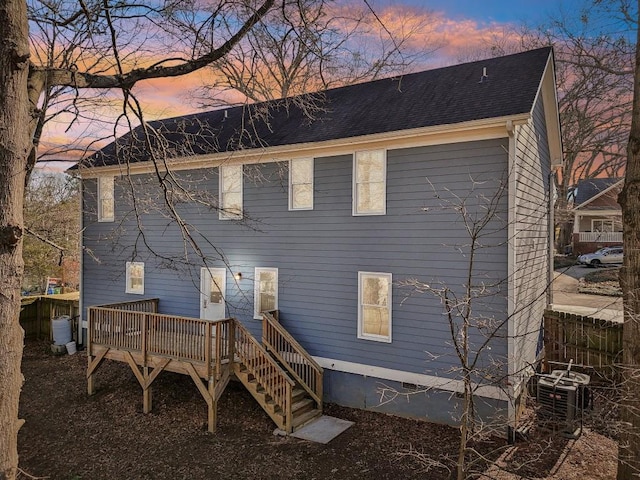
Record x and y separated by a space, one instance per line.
567 299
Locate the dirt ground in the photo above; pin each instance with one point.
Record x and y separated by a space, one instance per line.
69 435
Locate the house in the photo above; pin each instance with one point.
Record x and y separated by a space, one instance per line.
343 232
597 215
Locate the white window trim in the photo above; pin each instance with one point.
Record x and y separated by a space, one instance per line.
603 220
291 162
102 218
257 315
129 288
222 214
354 189
369 336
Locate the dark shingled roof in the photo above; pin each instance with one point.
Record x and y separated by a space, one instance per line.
443 96
589 188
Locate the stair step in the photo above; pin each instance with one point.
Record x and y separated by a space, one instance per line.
272 406
300 420
297 394
302 406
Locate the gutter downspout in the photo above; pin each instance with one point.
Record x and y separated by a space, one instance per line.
552 234
82 324
511 273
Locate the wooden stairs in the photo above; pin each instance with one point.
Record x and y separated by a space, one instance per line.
303 407
279 373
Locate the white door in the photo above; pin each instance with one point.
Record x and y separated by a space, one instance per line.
212 293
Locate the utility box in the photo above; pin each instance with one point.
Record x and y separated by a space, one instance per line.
562 397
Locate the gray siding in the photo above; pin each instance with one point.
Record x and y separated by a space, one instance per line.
531 237
319 252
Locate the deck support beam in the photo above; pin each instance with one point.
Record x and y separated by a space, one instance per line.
92 365
208 394
146 378
146 391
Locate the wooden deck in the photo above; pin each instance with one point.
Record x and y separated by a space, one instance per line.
279 373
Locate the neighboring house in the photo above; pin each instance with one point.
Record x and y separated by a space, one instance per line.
597 214
329 220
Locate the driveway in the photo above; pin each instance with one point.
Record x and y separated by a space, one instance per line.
565 293
579 271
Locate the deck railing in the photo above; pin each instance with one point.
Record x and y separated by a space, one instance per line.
116 328
264 369
137 328
293 356
146 305
141 330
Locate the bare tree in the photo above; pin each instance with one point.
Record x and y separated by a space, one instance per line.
629 199
475 309
594 84
81 60
51 247
473 325
120 47
293 51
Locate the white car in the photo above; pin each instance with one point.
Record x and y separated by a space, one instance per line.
604 256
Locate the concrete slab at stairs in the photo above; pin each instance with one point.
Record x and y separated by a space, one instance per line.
322 430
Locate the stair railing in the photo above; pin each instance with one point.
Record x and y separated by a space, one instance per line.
276 382
293 356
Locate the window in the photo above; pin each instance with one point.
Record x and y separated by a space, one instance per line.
301 184
369 183
602 226
105 199
265 291
230 192
135 278
374 306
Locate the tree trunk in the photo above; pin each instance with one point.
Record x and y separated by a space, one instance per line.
15 145
629 199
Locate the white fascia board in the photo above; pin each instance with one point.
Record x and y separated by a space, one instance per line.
422 380
547 90
484 129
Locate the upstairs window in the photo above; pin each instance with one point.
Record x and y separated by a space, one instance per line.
370 183
105 199
374 306
301 184
230 192
135 278
265 291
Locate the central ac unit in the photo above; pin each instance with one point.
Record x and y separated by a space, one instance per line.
562 397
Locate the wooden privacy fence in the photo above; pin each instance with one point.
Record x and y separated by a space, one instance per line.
36 312
586 340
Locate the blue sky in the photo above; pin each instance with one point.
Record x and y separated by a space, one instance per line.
489 11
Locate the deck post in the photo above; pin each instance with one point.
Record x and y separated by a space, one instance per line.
231 347
146 391
91 385
207 347
213 407
289 409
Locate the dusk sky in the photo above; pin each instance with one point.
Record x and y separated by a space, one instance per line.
458 26
500 11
